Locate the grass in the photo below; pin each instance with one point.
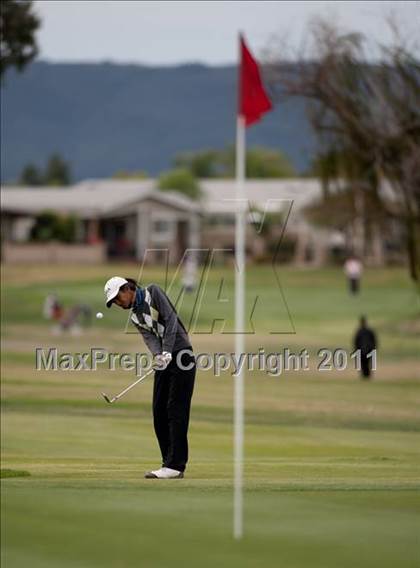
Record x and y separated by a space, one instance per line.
331 463
14 473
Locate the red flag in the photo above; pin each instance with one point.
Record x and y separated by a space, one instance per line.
253 100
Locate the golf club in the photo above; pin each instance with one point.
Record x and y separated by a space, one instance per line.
122 393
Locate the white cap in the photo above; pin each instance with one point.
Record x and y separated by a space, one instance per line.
112 287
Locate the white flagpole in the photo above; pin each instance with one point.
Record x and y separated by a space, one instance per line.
238 411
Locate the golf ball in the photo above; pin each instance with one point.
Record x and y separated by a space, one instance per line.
99 315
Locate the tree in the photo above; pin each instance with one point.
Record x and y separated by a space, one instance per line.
31 175
18 24
50 226
348 182
66 228
135 175
260 163
202 164
266 163
57 171
181 180
369 113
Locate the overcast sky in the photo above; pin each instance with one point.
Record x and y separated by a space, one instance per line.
178 32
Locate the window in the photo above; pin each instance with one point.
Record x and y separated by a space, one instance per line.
162 229
162 226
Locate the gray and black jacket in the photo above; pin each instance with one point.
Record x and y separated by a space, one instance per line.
156 319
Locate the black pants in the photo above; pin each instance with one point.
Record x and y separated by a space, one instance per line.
172 392
366 363
354 285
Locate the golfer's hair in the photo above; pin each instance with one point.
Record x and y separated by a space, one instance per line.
131 285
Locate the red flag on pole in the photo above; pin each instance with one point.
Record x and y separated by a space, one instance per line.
253 100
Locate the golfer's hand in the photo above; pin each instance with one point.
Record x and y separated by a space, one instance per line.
162 360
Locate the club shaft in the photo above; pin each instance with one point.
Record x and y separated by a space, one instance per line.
122 393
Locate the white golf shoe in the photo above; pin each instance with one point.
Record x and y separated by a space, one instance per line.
164 473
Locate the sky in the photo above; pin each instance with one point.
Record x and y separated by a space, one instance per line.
167 33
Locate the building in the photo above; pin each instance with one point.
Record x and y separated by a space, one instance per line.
115 220
126 219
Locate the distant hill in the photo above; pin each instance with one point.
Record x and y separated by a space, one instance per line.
108 117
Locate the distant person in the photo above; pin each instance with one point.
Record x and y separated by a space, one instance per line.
53 309
189 276
365 341
76 318
73 319
353 270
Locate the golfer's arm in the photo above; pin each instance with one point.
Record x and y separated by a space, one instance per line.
150 339
169 317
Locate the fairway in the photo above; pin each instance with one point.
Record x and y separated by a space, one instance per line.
331 462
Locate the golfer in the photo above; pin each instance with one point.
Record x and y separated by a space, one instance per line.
165 336
365 340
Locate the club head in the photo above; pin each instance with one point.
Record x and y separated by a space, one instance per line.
106 398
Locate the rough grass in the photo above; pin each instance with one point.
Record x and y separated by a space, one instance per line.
13 473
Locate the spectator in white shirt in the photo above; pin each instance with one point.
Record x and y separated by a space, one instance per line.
353 270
